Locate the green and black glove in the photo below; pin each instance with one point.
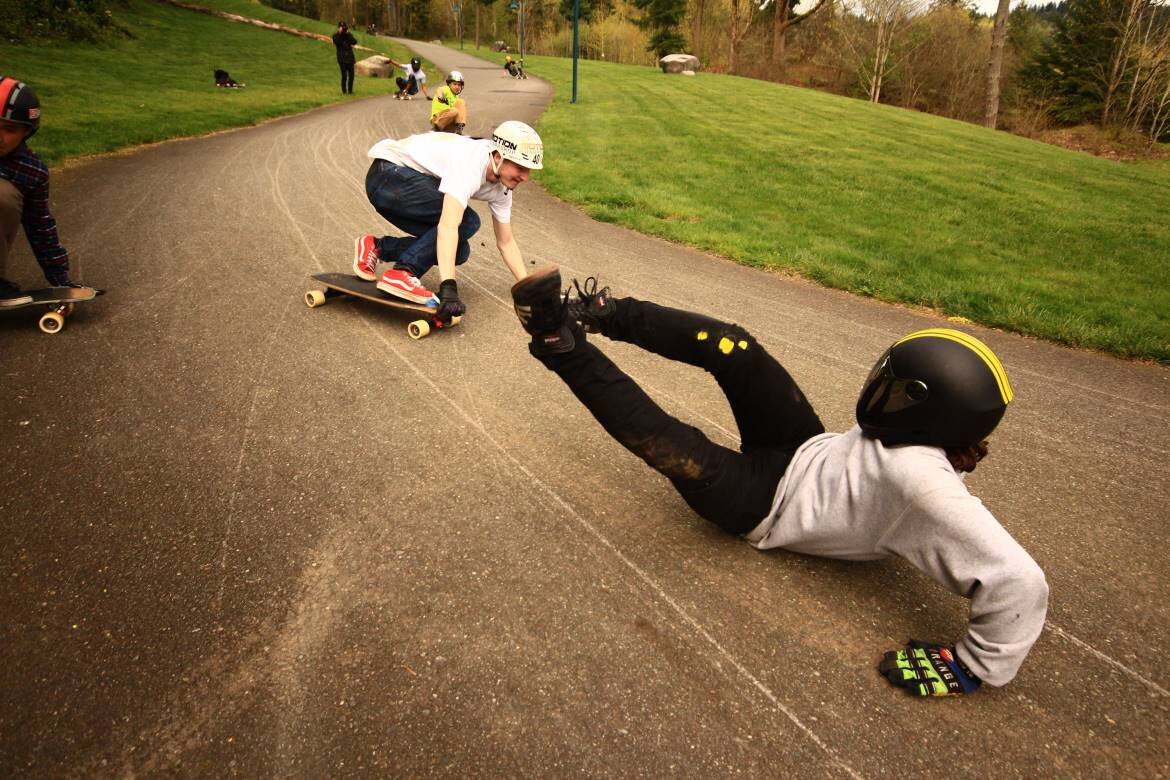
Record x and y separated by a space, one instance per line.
928 670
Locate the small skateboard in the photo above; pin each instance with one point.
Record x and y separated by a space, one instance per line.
339 285
60 301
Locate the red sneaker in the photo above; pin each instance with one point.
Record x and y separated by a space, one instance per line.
401 284
365 258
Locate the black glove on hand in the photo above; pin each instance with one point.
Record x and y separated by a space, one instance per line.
449 304
928 670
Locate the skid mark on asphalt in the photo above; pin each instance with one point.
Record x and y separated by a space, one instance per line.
245 443
282 203
650 582
1153 686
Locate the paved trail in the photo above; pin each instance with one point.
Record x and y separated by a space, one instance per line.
245 537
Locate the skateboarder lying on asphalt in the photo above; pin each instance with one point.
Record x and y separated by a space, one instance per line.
422 185
24 192
892 485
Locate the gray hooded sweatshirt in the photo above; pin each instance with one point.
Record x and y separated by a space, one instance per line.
845 495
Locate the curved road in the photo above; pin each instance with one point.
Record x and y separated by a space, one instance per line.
248 538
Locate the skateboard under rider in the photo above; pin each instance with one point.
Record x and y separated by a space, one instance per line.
60 300
339 285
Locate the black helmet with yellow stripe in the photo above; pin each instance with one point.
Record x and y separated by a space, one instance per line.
939 387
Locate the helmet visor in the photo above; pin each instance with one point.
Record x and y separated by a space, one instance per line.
886 393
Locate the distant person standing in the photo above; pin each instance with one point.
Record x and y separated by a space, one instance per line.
448 110
344 41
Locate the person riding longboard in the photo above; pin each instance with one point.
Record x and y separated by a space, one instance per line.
24 192
423 185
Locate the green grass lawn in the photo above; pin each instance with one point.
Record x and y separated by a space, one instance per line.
159 84
901 206
897 205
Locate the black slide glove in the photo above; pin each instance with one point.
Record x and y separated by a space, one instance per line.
928 670
449 304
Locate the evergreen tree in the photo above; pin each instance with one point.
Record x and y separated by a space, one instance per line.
663 17
1072 68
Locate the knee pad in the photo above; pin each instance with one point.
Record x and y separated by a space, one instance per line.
730 341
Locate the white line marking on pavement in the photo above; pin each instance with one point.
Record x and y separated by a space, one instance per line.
646 578
1117 664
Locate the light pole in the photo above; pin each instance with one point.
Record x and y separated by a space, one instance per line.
576 14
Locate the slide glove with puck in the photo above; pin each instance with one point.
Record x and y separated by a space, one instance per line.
449 304
928 670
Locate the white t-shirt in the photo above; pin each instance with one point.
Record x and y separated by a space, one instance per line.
420 78
458 162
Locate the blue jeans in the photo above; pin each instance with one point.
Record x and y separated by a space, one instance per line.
411 202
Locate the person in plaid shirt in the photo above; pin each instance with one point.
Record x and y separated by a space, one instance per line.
24 192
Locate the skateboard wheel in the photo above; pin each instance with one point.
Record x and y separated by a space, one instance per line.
455 321
314 298
418 329
52 322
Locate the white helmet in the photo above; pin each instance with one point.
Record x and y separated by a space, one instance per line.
455 76
519 143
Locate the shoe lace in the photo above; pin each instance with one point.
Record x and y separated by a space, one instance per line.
588 293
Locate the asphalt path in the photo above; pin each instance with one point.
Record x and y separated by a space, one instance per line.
245 537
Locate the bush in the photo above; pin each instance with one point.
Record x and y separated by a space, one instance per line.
74 20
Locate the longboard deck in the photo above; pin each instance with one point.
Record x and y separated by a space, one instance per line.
341 285
51 295
352 285
60 301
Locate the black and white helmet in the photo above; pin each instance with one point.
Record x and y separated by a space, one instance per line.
939 387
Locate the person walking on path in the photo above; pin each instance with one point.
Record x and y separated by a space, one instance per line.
344 41
24 192
890 486
423 185
448 109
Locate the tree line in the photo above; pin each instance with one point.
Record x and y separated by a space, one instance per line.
1024 69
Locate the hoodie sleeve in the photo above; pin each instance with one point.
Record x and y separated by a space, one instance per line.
948 534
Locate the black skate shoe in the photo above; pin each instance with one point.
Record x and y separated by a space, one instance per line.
592 308
543 311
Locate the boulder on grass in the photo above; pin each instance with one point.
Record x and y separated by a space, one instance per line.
376 66
679 63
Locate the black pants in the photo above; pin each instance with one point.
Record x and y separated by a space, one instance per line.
346 77
732 489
